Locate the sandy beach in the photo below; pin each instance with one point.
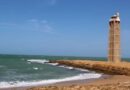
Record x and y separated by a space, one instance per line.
111 82
115 82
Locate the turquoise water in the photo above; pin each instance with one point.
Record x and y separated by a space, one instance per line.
31 70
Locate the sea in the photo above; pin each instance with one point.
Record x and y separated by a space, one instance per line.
31 70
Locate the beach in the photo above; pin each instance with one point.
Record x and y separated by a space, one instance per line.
115 82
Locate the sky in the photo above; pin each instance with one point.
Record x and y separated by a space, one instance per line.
61 27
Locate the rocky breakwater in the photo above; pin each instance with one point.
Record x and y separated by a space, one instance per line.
122 68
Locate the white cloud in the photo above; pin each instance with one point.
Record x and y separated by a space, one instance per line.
29 25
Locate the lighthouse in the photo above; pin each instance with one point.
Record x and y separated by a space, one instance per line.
114 39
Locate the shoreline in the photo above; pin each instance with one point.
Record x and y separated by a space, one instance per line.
80 82
115 77
64 83
112 82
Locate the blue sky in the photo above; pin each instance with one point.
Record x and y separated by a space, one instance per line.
61 27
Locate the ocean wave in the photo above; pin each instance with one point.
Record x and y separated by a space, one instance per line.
73 68
44 61
67 67
83 70
35 68
47 82
40 61
53 64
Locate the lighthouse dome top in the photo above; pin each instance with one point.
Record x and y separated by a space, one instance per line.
115 17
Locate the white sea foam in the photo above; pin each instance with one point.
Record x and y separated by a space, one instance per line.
80 69
54 64
35 68
72 68
46 82
38 61
67 67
